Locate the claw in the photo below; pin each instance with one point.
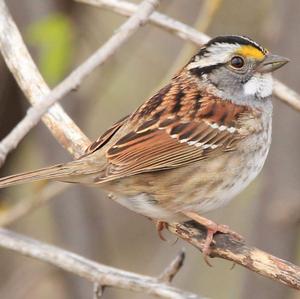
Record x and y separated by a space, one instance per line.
212 229
160 226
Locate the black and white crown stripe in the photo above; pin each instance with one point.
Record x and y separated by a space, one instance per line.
218 51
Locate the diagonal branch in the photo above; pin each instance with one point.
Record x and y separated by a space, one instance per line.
225 247
10 50
169 272
92 271
281 91
31 82
163 21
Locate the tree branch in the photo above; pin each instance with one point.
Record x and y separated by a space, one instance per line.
173 26
69 135
24 70
225 247
169 273
10 40
92 271
228 248
281 91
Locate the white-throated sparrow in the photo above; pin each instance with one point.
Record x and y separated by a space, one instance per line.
191 147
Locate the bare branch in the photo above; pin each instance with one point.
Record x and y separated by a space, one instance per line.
228 248
281 91
173 26
92 271
287 95
170 272
46 100
34 87
225 247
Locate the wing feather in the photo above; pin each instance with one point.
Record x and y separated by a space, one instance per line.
159 149
170 131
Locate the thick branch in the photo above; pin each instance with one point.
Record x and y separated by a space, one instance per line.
46 100
92 271
225 247
281 91
228 248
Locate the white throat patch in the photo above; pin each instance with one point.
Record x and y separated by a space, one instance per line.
260 85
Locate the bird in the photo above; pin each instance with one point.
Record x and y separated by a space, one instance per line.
192 146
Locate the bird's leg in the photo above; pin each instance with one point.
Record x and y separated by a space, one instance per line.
160 226
212 229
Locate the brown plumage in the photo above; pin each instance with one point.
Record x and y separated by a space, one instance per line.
191 147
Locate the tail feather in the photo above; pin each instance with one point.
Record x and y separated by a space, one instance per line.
74 171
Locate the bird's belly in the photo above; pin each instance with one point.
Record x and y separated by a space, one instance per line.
145 204
205 186
226 178
226 185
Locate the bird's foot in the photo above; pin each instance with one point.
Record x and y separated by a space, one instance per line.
212 229
160 226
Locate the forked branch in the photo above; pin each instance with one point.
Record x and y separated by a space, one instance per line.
96 273
225 247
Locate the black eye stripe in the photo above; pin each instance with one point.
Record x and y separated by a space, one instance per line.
200 71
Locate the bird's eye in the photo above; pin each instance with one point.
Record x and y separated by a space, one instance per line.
237 62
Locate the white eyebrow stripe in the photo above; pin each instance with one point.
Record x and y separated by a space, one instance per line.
217 53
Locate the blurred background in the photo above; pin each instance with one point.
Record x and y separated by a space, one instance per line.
60 35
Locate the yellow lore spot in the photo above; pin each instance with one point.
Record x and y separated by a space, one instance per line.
250 51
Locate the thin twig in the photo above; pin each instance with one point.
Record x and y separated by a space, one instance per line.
229 248
175 27
169 273
225 247
92 271
35 113
281 91
98 290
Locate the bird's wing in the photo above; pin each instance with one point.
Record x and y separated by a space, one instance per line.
167 140
105 137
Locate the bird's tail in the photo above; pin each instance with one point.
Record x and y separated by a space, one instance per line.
75 171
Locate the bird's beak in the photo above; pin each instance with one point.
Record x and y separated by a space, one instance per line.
271 63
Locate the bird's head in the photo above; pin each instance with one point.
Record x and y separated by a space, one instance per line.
237 67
